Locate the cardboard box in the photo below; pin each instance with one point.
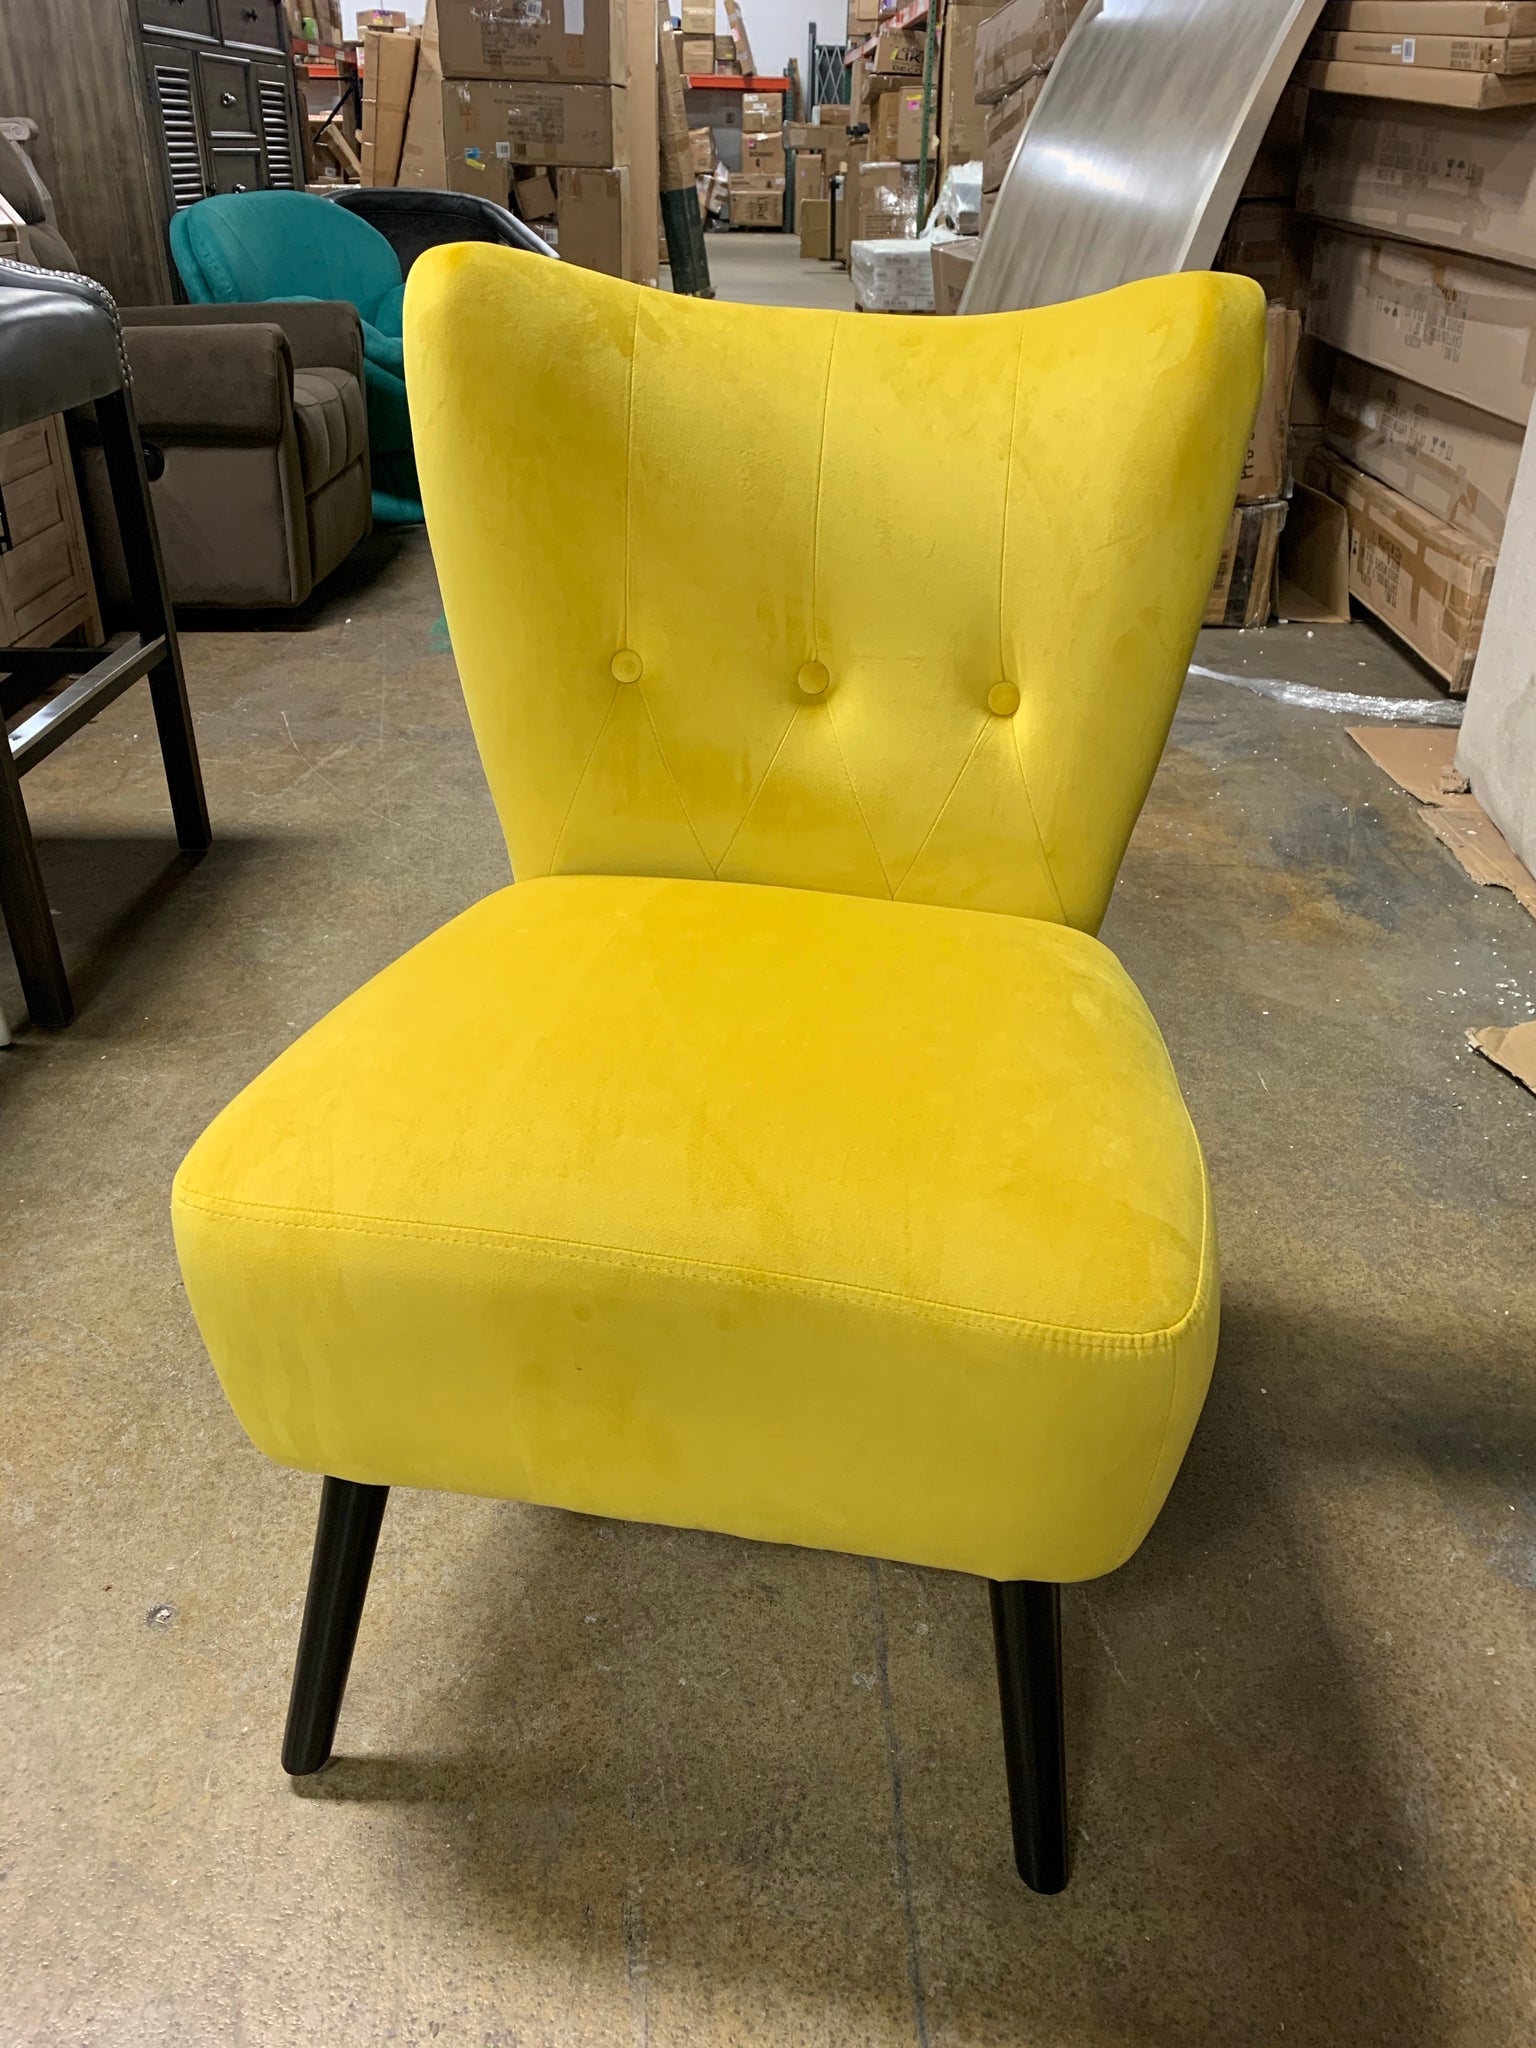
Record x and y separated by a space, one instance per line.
753 209
701 150
1421 577
698 17
740 38
1444 456
389 73
380 17
883 202
862 20
899 53
593 212
1435 17
833 115
896 131
1243 592
1006 121
674 149
534 196
484 126
810 179
528 39
1457 180
952 265
1462 327
1433 88
725 53
1020 39
1277 162
813 217
1266 467
762 113
699 56
962 117
1270 242
1509 56
762 156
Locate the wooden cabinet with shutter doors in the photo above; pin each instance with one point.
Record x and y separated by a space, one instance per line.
145 106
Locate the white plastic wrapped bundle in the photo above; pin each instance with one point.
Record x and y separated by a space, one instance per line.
957 209
892 276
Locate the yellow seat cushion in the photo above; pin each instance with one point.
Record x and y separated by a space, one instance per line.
798 1215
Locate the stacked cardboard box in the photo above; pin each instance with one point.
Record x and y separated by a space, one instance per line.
389 72
757 189
1422 295
1015 48
525 113
823 153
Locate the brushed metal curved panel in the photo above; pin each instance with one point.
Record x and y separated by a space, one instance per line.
1137 148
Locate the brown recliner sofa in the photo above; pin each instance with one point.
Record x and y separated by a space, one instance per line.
259 416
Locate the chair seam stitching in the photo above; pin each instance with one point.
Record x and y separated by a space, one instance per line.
858 806
938 816
676 791
629 445
810 1286
762 785
1045 859
581 778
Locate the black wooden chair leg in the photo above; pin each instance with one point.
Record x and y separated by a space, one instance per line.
345 1542
1026 1623
123 453
24 900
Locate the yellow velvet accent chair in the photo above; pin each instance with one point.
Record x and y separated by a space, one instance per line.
781 1154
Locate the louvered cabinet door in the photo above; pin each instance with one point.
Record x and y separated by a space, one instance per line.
277 112
171 72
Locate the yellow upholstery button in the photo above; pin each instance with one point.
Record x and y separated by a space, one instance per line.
1003 698
627 666
813 677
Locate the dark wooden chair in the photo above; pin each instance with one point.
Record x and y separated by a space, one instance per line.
61 351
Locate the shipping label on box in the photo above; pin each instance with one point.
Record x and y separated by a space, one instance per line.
1428 582
1459 326
1509 56
1444 456
1457 180
529 39
1020 39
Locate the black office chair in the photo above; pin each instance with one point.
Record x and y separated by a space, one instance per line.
61 351
412 220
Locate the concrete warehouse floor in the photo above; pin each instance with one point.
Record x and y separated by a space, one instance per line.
610 1784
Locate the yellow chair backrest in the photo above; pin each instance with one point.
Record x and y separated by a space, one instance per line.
897 607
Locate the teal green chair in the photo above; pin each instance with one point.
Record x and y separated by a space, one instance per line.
245 247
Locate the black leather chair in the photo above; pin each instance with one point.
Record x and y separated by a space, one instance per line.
412 220
61 351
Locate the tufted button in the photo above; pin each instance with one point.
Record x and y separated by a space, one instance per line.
627 666
1003 698
813 678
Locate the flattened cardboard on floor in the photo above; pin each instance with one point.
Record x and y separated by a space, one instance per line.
1510 1046
1423 761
